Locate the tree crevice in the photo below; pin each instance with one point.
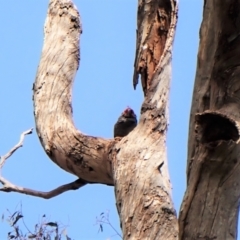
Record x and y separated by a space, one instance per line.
214 126
154 20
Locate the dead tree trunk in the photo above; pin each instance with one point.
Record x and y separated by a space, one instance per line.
135 164
211 202
142 185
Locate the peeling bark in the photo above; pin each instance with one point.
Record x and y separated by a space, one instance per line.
136 164
154 19
211 202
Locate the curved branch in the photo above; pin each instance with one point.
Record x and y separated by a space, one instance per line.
81 155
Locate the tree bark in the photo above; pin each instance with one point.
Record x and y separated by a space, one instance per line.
81 155
142 185
135 164
211 202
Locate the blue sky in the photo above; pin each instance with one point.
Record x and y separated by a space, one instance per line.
102 90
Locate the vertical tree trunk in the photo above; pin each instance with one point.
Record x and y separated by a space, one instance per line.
211 202
142 185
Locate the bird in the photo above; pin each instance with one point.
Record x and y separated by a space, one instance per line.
125 123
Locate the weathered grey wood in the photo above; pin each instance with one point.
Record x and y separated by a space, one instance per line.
211 202
84 156
136 164
142 185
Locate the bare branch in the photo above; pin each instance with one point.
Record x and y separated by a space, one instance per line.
10 187
16 147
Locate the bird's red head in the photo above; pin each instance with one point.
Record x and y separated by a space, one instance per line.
128 112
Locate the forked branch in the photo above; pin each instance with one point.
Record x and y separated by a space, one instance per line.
131 164
16 147
10 187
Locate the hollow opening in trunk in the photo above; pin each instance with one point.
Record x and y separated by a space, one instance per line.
215 126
